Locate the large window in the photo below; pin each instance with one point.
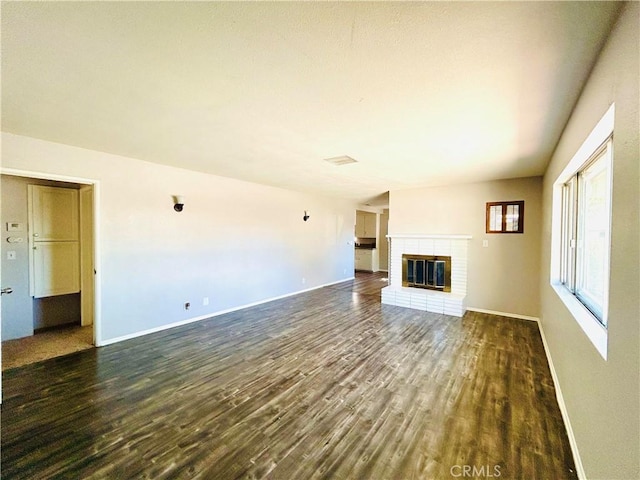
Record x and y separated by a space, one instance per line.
581 232
585 232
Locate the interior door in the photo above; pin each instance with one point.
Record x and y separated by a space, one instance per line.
87 267
54 241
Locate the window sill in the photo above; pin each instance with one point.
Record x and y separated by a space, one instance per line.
587 321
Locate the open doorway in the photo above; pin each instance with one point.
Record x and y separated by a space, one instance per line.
48 262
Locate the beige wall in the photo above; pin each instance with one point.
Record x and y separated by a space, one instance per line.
503 276
602 397
235 242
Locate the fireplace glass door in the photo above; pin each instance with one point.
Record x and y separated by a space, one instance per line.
427 272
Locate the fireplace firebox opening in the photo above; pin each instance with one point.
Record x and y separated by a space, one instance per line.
427 271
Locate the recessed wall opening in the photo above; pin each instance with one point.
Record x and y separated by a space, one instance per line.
426 271
61 307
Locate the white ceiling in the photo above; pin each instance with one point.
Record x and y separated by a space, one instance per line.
418 93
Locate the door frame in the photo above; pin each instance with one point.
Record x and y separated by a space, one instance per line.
97 278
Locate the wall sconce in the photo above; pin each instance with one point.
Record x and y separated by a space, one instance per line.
306 215
178 203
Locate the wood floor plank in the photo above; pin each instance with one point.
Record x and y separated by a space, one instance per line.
329 384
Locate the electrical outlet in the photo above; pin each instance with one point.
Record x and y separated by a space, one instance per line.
304 280
187 306
205 301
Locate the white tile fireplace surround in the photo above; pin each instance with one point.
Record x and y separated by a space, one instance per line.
451 303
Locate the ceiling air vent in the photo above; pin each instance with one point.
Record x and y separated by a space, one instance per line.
343 160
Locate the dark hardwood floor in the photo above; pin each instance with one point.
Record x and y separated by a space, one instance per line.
326 384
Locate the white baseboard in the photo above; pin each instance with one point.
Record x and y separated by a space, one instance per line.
563 409
504 314
212 314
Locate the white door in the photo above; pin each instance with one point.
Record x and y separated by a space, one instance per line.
86 255
54 241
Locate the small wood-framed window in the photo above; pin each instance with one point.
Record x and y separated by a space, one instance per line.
505 217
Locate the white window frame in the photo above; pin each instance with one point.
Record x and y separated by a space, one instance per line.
563 274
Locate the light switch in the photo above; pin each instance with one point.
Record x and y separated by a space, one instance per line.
11 255
485 243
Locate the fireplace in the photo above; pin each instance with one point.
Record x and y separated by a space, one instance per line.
427 271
